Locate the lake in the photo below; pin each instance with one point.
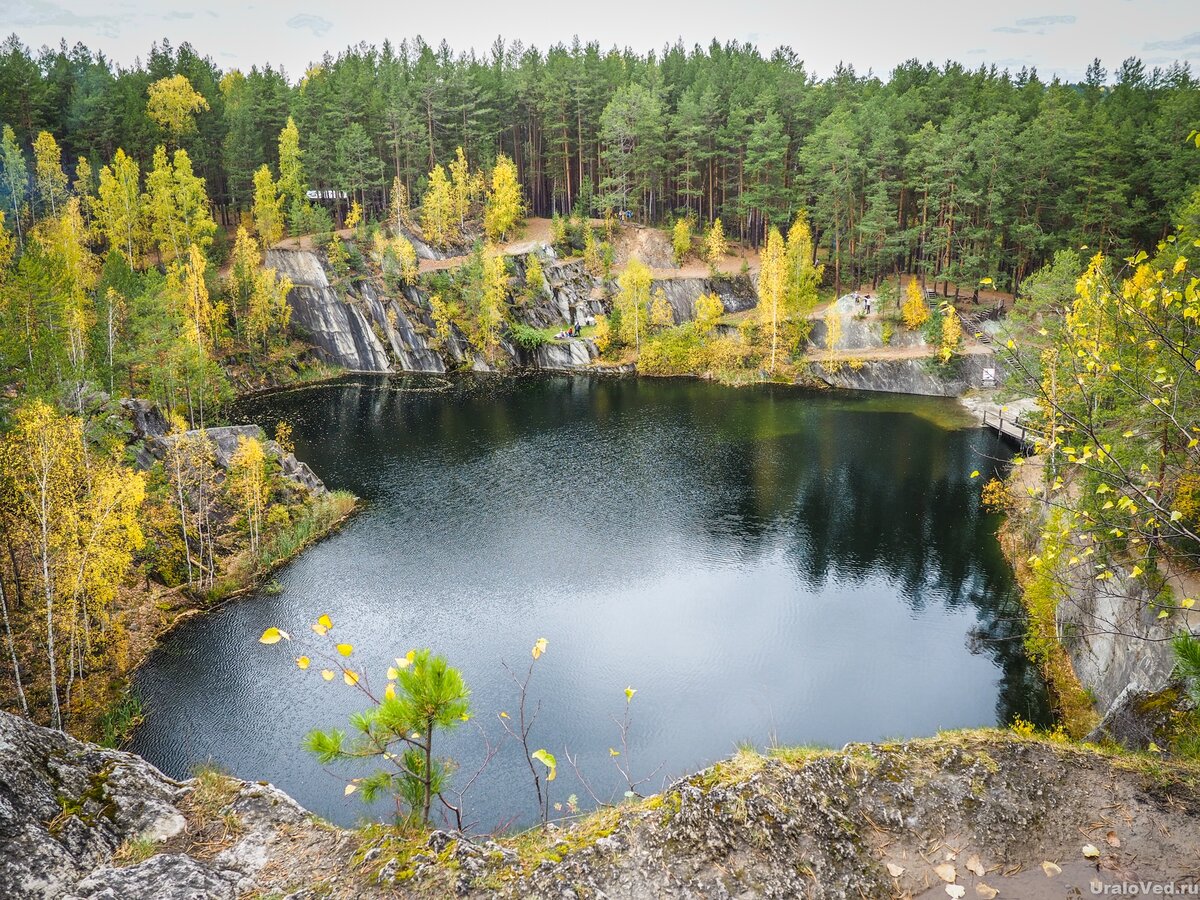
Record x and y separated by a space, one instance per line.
765 565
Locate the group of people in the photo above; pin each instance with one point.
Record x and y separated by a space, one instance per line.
862 298
575 329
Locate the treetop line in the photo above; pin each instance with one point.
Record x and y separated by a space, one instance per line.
954 173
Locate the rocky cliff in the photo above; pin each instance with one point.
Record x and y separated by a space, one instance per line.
980 811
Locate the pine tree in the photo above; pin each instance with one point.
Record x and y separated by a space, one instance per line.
16 180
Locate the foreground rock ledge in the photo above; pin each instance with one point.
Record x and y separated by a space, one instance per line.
78 821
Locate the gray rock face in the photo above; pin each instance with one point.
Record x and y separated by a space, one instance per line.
736 293
1119 648
910 376
859 332
340 329
65 807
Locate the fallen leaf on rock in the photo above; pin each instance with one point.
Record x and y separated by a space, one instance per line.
986 891
955 890
1091 851
946 872
1112 839
974 866
894 870
1051 869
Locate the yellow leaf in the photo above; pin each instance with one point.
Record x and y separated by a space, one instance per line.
303 661
345 649
504 715
975 866
1051 869
975 474
389 692
466 717
612 752
351 678
325 622
946 872
1154 748
393 673
1187 602
1164 614
539 647
407 660
327 674
629 692
319 629
1091 851
986 891
273 636
1136 571
546 758
350 789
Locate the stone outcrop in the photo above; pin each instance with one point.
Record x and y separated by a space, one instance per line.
873 820
224 441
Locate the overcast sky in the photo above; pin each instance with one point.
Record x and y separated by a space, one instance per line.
1058 36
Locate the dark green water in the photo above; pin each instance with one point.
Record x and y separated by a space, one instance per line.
763 565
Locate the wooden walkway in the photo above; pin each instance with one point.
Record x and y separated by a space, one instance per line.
1010 428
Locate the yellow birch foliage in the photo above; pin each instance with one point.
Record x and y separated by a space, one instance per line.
268 208
661 314
491 305
633 298
246 485
915 310
772 291
504 207
291 164
709 310
715 245
439 221
48 173
951 334
118 208
681 240
173 105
